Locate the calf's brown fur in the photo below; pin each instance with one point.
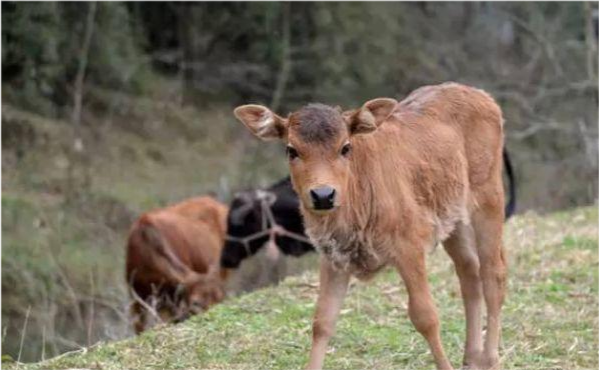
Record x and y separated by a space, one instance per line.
405 176
173 256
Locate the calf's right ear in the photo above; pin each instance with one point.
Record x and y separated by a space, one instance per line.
261 121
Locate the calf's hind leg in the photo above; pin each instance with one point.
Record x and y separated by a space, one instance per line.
488 227
461 248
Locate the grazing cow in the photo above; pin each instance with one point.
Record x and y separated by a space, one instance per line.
173 258
247 218
381 184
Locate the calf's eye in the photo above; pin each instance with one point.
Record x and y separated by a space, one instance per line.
292 153
346 149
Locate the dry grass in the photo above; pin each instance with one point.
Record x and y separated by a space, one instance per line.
550 317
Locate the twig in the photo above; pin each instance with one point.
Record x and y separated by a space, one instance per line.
67 342
81 350
90 321
43 343
70 289
149 308
547 47
23 335
536 127
563 89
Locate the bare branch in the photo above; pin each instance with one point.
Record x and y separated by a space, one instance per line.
547 46
591 43
285 60
80 77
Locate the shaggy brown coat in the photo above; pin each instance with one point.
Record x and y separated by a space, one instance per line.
173 257
419 172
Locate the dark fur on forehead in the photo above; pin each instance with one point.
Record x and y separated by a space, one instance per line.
318 123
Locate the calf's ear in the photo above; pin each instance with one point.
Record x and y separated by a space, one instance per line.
370 116
261 121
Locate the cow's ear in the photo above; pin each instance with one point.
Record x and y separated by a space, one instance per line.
370 116
261 121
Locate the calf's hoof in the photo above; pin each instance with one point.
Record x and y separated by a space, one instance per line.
484 362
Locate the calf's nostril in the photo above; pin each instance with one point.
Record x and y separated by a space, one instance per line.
331 196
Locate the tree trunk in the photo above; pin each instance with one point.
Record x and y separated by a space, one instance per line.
285 70
590 137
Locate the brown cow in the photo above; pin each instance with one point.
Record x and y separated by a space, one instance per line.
173 259
382 184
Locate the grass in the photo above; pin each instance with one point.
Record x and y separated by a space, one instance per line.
65 217
549 318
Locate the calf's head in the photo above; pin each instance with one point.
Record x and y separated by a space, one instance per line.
319 146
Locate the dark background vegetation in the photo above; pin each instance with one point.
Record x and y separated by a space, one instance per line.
110 109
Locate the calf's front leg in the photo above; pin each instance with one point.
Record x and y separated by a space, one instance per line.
333 286
421 308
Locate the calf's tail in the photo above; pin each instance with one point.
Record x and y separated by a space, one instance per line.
510 207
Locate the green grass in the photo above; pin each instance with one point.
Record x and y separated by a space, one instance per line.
549 318
65 217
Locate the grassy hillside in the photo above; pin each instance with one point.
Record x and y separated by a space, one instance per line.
550 316
66 214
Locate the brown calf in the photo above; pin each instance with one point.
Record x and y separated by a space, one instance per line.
173 258
382 184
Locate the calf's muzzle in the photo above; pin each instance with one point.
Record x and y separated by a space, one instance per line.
323 198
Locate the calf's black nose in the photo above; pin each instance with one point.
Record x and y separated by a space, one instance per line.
323 197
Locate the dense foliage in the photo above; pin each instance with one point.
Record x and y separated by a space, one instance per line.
112 108
539 60
41 50
341 52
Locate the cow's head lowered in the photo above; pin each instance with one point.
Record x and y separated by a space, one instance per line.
198 291
203 291
319 145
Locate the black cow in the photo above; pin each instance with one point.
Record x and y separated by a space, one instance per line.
246 218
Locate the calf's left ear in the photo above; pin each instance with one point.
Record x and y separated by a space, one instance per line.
261 121
370 116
